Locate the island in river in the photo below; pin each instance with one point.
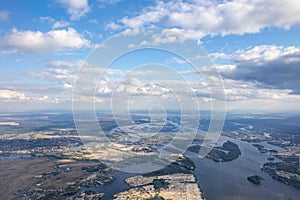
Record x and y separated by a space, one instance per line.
175 181
255 179
41 160
286 171
227 152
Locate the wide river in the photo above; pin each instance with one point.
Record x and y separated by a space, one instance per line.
224 180
228 180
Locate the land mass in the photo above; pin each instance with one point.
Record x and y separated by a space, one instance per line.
227 152
260 148
287 171
255 179
175 181
49 178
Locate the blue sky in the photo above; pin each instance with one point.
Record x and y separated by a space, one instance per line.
255 45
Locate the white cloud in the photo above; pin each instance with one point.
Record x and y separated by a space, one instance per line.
268 66
55 100
237 90
265 53
65 73
200 18
46 19
226 68
65 77
168 36
41 42
105 87
163 36
259 54
61 73
8 95
67 86
55 24
219 55
88 99
43 98
261 72
60 24
179 60
4 16
151 15
16 96
112 2
63 64
76 8
113 26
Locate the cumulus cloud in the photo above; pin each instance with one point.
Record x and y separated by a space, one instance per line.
44 92
259 72
65 73
60 24
75 8
59 71
265 53
237 90
16 96
12 95
41 42
55 24
4 15
164 36
206 17
268 66
113 26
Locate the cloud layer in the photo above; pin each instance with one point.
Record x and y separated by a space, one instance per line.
268 66
41 42
207 17
75 8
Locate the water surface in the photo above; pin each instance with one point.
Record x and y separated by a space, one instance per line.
228 180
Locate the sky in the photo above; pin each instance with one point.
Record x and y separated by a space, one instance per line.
254 46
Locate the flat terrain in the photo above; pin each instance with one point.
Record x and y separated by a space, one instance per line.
173 182
172 187
47 178
16 174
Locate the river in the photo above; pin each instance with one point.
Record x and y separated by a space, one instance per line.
228 180
222 180
225 180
